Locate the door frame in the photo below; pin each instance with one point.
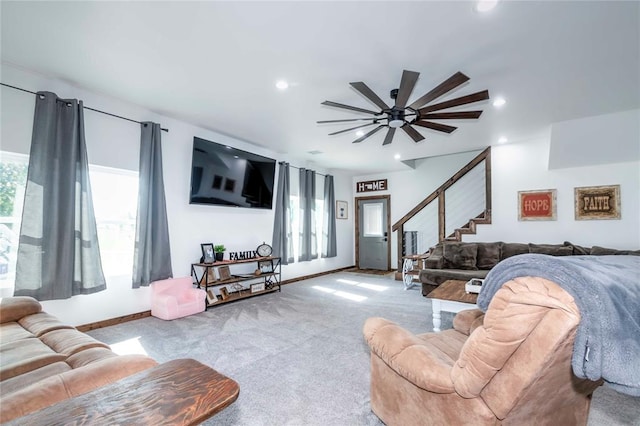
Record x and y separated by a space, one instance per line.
357 226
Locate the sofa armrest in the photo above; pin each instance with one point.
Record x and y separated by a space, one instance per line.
14 308
467 321
195 294
408 354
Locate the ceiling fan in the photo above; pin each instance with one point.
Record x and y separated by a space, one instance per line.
406 116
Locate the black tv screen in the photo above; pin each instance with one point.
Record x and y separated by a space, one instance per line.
227 176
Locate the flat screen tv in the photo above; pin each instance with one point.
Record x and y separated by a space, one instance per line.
226 176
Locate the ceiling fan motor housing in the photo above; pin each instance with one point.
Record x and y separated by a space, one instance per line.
396 117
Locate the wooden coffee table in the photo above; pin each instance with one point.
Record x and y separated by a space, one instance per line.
450 296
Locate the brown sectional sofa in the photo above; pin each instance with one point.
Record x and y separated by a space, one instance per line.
44 362
464 261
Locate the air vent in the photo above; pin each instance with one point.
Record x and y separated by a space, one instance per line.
314 152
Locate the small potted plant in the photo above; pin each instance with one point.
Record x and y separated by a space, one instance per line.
219 251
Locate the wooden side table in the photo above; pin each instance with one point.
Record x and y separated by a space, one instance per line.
450 296
179 392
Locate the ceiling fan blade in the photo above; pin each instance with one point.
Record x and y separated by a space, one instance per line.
389 137
474 97
352 108
346 120
353 128
449 84
369 94
413 133
451 115
407 83
366 135
435 126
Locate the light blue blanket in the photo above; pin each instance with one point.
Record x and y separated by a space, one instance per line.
607 292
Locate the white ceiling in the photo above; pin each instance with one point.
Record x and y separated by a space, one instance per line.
215 64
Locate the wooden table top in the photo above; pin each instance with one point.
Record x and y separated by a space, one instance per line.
453 290
178 392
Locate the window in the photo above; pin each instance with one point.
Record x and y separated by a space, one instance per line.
115 212
115 201
294 202
13 178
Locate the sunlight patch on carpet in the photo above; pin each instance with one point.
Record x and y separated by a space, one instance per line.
343 294
128 347
368 286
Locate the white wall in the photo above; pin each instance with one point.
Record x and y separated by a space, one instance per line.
114 142
523 166
410 187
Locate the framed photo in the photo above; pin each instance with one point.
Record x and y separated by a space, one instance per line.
265 266
255 288
224 293
211 275
207 253
224 273
211 297
342 210
537 205
597 202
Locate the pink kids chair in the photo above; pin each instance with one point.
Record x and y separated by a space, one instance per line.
176 298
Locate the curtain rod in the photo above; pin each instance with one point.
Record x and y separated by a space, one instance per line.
282 162
85 107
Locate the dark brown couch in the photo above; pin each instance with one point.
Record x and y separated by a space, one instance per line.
464 261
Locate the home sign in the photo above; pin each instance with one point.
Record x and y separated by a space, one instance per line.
371 185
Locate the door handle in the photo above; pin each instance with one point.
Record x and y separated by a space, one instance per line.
384 239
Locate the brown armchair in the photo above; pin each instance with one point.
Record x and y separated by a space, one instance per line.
510 366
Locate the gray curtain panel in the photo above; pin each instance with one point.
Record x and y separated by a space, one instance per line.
329 248
58 252
282 242
152 255
308 237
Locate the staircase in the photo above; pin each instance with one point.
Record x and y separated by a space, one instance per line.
444 214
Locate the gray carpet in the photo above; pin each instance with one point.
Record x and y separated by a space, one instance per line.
299 355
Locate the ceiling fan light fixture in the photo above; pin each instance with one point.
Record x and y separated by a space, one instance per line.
485 5
395 123
282 85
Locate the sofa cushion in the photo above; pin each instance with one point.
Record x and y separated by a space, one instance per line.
88 356
551 249
578 250
14 308
25 355
70 341
71 383
436 277
460 256
23 380
513 249
12 331
603 251
435 259
42 323
488 255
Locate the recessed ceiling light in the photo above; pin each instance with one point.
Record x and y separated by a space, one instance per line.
485 5
397 156
503 140
359 133
499 102
282 85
